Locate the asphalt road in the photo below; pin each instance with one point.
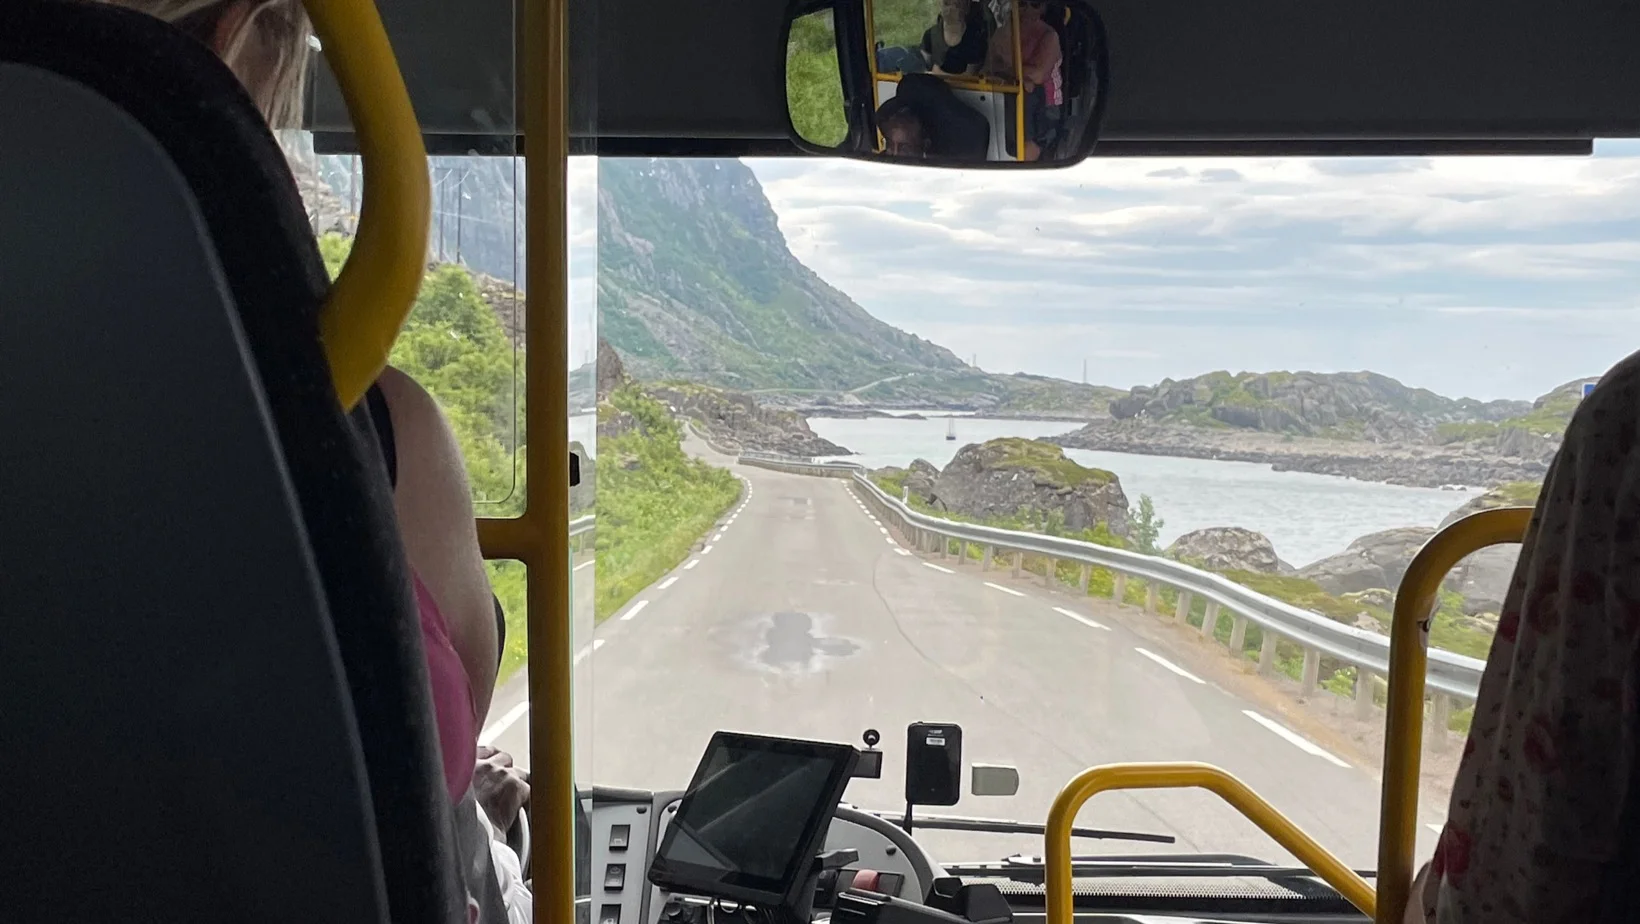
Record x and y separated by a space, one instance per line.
802 616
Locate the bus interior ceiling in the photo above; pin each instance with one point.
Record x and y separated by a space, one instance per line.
695 77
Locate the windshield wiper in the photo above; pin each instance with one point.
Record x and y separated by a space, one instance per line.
1000 826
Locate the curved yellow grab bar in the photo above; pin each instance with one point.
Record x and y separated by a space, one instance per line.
1090 782
374 293
1408 662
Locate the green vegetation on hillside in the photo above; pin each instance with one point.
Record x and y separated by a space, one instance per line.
1549 416
814 91
1047 461
455 347
654 502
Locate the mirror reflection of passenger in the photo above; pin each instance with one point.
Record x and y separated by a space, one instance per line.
955 44
925 119
1041 73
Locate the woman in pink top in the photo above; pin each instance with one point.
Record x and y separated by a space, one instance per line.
1041 73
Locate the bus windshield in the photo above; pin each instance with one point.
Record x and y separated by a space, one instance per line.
1075 459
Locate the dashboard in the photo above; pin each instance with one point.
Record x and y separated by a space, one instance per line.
626 827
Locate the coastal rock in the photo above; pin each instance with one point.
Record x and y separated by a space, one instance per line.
734 418
1379 597
1004 477
1227 548
611 371
921 478
1376 560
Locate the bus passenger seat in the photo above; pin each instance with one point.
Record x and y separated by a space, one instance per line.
216 706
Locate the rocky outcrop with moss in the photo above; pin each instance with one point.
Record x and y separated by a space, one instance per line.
1012 477
1228 548
736 419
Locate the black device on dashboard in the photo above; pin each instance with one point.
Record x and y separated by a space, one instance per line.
751 824
933 763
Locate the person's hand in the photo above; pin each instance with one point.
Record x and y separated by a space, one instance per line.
500 788
1029 85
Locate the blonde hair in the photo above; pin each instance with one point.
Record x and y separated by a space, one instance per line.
281 25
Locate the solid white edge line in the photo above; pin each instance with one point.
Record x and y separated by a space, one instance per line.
706 551
668 582
1090 623
1293 738
583 565
513 715
929 564
635 610
1006 590
1169 665
692 563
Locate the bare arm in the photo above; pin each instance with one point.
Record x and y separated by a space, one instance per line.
435 513
1037 71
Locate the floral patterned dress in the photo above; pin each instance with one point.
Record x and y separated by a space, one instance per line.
1544 823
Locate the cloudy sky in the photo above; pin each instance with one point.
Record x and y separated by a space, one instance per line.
1495 277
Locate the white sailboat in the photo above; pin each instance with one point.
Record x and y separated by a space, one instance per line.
951 428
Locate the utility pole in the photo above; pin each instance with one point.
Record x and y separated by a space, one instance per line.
1084 370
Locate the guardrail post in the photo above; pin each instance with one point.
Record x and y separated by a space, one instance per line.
1119 593
1087 571
1051 573
1181 613
1210 620
985 558
963 548
1312 673
1440 720
1267 652
1238 633
1364 682
1019 559
1150 596
945 546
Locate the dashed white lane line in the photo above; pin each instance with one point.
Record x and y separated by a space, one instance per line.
929 564
1006 590
706 551
890 541
692 563
1170 665
581 655
1090 623
718 538
668 582
585 564
882 530
1293 738
513 715
635 610
901 551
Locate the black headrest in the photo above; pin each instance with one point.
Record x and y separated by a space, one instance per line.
204 218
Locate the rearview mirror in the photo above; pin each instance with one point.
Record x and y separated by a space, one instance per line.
946 82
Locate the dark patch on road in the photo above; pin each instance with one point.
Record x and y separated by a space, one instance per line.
790 643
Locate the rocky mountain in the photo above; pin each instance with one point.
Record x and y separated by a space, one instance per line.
734 419
1361 406
1012 477
695 281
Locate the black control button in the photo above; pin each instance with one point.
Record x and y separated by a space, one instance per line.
615 877
619 836
609 914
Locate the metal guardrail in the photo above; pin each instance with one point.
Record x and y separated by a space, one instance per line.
582 525
1452 675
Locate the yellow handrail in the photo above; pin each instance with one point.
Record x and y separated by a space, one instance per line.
1408 661
1093 781
374 292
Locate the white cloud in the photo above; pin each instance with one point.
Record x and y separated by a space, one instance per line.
1482 276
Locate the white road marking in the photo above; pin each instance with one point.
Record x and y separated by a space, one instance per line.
706 551
692 563
668 582
581 655
718 537
882 530
1293 738
635 610
514 714
1090 623
929 564
1006 590
901 551
890 541
1170 666
584 564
